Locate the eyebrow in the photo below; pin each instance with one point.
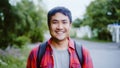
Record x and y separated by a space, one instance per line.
64 20
54 20
57 20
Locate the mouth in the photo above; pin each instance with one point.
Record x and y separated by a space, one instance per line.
60 32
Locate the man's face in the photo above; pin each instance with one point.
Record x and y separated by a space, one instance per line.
59 26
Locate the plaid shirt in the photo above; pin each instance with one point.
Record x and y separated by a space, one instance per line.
48 60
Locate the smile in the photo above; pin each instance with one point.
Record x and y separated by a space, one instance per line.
59 32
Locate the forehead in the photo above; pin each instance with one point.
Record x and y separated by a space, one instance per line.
59 16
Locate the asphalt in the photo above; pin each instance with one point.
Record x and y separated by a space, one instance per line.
104 55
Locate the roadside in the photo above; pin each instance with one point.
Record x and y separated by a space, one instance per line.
104 55
98 45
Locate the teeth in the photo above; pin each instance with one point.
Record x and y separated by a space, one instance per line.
59 32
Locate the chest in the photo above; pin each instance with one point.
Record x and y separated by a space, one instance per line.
59 59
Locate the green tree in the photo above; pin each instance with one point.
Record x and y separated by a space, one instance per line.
20 20
6 19
34 18
77 22
100 13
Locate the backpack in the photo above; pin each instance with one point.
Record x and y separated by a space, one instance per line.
42 48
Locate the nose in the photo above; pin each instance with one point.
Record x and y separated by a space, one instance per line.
60 26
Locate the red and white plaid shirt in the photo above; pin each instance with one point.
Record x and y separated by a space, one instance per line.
48 60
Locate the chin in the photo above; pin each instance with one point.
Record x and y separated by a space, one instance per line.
61 39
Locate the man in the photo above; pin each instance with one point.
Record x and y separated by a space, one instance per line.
60 50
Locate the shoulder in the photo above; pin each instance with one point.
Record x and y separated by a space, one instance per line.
85 51
34 50
32 57
87 58
79 46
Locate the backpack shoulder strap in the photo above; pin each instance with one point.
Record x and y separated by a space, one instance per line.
41 52
42 48
78 49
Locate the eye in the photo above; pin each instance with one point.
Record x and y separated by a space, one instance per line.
64 22
54 22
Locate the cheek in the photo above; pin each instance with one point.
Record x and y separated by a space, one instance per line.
52 27
68 28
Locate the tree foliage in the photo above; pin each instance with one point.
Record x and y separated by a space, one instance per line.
19 20
100 13
77 22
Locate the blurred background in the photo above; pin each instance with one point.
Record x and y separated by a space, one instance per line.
23 25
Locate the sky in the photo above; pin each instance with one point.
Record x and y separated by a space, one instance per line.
77 7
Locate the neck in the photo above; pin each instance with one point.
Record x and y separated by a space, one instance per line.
59 44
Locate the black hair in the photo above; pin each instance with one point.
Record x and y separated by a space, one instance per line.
62 10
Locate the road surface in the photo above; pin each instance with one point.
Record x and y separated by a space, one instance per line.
104 55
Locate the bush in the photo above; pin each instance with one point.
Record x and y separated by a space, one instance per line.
6 39
37 35
104 35
21 40
12 61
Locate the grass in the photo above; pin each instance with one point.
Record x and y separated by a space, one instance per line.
10 61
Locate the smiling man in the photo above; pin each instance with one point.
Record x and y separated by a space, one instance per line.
60 51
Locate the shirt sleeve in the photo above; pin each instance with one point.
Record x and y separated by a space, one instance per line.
31 61
87 59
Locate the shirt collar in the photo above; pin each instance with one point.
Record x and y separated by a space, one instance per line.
70 43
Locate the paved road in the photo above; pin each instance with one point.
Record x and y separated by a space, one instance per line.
104 55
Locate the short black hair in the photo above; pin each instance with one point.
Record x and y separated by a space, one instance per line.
62 10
